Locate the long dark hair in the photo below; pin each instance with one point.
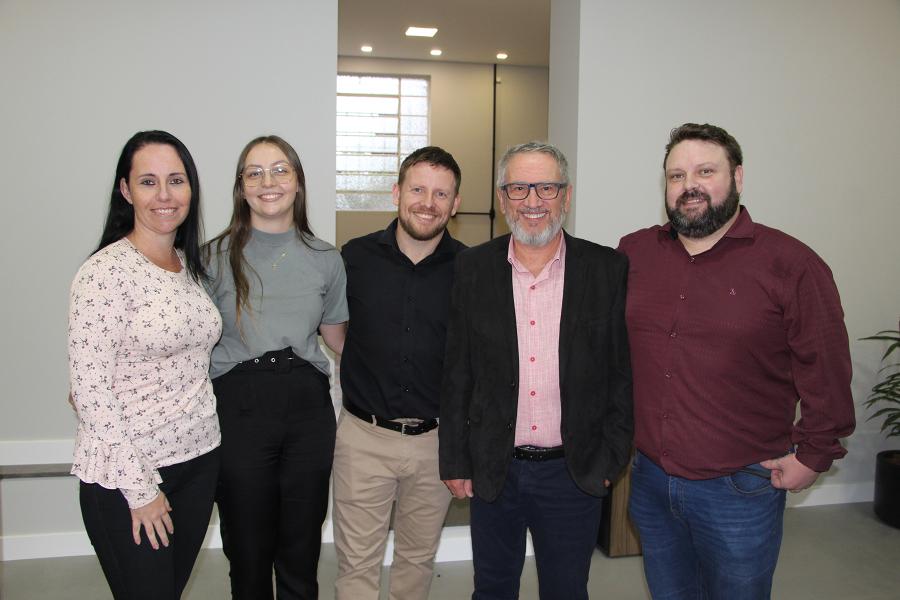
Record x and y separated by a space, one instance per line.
239 229
120 218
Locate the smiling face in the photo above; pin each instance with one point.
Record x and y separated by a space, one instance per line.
702 194
425 199
534 221
271 198
158 189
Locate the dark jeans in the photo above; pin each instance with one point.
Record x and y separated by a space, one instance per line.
541 497
138 571
715 539
278 431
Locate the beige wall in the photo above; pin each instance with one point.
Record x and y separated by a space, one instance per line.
462 123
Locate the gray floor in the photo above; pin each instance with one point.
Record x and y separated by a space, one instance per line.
829 552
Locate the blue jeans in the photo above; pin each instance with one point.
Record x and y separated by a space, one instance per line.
710 539
563 520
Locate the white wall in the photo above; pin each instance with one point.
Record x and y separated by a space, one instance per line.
810 88
79 78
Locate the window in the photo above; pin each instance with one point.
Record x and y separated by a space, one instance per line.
380 119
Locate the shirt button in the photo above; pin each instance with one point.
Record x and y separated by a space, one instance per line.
532 287
534 427
673 334
509 426
681 296
406 389
533 393
665 453
665 415
668 375
406 329
532 322
693 260
405 359
531 359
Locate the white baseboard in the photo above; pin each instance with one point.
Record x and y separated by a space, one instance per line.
36 452
455 545
833 493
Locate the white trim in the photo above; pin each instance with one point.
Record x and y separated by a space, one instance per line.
45 545
36 452
455 544
833 493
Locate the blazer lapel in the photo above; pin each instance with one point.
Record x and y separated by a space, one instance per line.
573 297
502 276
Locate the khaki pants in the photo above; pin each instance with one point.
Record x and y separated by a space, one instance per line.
373 468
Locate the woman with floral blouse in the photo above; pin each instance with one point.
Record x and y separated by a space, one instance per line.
277 287
141 328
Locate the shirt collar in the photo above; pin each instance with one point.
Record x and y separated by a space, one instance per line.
388 237
559 256
743 227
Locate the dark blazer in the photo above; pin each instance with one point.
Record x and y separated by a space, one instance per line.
479 395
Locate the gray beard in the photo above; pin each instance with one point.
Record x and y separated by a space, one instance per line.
712 219
542 238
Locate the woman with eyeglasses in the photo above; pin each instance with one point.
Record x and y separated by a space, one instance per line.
141 328
277 287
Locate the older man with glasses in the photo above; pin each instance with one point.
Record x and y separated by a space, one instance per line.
536 414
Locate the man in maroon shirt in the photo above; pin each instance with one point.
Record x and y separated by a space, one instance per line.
731 324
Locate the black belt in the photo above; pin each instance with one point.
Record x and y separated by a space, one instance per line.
423 427
281 361
536 454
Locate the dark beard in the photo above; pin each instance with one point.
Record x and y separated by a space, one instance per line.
712 219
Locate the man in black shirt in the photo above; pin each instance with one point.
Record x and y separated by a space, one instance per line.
398 292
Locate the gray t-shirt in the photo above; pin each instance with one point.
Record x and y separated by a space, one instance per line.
293 289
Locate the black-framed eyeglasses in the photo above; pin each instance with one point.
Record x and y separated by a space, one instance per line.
546 190
253 176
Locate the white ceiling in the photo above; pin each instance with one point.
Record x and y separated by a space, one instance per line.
468 30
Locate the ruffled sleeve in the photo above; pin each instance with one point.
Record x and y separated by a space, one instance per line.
100 303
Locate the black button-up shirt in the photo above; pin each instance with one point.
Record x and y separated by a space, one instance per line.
394 354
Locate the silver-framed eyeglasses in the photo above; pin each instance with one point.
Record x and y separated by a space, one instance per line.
546 190
254 176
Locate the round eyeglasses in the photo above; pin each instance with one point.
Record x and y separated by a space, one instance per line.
254 176
547 190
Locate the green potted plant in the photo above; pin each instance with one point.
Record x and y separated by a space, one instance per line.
885 401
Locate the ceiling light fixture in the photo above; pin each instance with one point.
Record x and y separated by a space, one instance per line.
436 52
366 48
502 55
421 31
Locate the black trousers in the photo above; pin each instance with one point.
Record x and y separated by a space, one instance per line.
278 431
138 571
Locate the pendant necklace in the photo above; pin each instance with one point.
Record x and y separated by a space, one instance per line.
278 260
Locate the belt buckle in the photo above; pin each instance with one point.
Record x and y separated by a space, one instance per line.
402 428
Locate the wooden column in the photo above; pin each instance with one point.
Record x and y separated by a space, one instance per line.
618 536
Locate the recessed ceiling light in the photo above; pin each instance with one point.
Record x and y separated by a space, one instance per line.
502 55
421 31
436 52
366 48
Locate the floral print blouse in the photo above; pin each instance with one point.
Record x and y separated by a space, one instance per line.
139 344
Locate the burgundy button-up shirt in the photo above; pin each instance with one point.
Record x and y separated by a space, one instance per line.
725 343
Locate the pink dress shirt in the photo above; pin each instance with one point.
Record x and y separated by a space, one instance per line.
538 303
